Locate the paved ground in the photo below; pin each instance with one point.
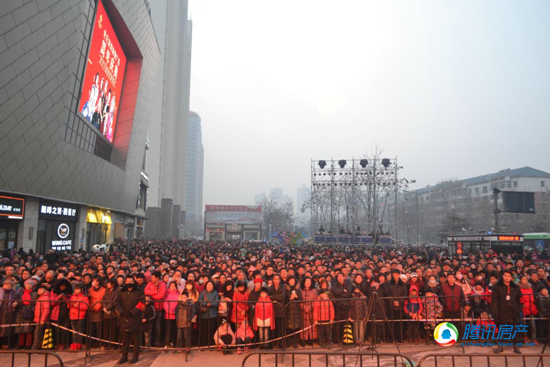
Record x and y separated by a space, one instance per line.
216 359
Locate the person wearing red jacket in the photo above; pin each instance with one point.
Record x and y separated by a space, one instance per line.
244 336
97 292
41 315
239 309
156 289
323 317
529 306
78 306
263 317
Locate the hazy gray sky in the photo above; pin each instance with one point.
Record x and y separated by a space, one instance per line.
452 88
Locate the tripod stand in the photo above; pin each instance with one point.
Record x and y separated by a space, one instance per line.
370 306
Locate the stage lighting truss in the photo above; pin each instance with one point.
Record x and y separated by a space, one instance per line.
355 192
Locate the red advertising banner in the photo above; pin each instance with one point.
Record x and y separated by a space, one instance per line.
105 69
234 208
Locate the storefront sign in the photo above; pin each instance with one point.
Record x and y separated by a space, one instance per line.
13 208
62 245
59 211
64 240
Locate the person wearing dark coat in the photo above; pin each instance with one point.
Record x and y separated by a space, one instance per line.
130 303
395 292
506 306
110 331
293 309
343 292
278 296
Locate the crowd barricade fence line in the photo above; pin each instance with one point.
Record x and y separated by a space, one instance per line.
327 359
452 360
46 353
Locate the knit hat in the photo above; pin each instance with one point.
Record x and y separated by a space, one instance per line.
30 281
258 280
9 281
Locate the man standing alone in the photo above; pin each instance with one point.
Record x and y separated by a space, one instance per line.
506 306
130 303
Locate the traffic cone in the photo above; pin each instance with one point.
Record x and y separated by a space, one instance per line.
348 335
47 342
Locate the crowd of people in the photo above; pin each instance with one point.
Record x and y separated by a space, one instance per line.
235 296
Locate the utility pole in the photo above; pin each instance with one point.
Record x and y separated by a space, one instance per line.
417 234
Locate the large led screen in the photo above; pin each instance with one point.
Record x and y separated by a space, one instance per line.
102 85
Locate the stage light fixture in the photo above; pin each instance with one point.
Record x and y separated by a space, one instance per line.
342 163
364 163
322 164
386 162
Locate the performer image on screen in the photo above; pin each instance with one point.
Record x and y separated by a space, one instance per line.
87 110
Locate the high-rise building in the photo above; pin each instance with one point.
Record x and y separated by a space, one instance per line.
170 118
195 168
76 88
277 194
258 199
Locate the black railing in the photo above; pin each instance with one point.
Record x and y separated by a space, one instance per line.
444 360
30 353
331 358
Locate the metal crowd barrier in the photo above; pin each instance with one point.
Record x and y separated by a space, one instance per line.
29 354
330 359
491 360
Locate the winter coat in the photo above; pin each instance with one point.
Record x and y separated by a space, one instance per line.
528 300
185 313
394 291
60 300
506 311
148 315
431 310
278 296
543 306
342 293
479 305
170 305
358 308
238 307
413 306
219 333
42 309
244 333
209 297
264 311
130 305
78 306
452 297
24 313
157 293
7 311
323 310
109 304
293 309
308 295
96 296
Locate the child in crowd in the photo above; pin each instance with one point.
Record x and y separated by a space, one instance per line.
323 316
432 309
41 315
185 311
413 308
78 307
263 317
224 337
244 337
149 314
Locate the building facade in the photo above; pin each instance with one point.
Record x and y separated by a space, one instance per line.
232 222
194 177
169 129
467 206
77 81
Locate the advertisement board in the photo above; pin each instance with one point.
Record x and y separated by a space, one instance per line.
12 207
57 211
102 87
